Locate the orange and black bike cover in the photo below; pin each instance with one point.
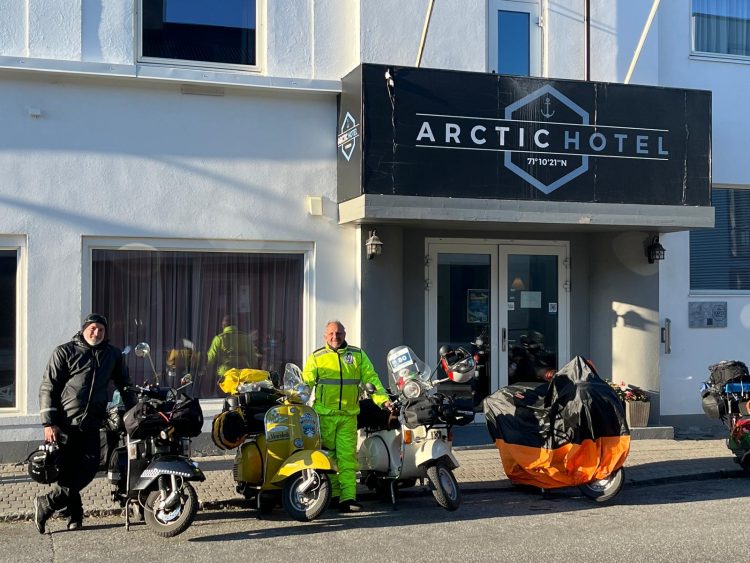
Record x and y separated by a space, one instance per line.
564 433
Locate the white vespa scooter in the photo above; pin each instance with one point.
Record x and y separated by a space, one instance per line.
395 454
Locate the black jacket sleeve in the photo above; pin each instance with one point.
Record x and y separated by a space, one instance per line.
53 381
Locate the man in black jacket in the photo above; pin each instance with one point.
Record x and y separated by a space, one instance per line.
73 405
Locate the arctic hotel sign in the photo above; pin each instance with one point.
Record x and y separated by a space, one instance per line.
457 134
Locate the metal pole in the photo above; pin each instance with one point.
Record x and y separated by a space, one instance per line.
644 33
424 32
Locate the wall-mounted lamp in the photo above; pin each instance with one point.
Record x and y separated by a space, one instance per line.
373 245
655 251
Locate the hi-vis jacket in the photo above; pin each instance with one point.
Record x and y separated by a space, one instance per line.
337 377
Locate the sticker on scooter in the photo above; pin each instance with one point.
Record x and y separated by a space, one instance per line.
277 433
275 416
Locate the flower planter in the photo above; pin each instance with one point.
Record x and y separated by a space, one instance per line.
636 413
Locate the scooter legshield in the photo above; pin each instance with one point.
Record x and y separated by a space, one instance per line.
304 459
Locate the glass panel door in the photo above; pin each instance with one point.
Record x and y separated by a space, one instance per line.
505 302
532 319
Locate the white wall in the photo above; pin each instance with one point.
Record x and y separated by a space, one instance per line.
693 350
117 160
457 37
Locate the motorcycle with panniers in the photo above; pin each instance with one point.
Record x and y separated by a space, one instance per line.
151 473
278 443
415 442
725 396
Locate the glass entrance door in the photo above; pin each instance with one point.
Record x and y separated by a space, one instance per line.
533 339
506 302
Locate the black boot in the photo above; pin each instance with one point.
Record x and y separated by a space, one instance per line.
42 512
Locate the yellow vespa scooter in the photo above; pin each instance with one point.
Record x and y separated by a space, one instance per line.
286 456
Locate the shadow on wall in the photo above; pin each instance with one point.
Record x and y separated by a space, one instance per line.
632 319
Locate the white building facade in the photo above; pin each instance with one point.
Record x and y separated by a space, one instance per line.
168 167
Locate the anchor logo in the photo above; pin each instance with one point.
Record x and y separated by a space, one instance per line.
545 112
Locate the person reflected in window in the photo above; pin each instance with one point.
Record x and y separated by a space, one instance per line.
231 348
180 360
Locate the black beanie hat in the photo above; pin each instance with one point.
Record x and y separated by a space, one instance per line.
94 318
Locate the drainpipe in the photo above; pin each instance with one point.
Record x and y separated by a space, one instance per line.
587 40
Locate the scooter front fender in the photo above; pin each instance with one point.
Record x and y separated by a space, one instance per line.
169 465
305 459
432 450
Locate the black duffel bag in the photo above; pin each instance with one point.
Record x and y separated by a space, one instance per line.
422 411
187 418
144 420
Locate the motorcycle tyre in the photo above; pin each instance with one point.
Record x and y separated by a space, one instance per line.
316 508
442 481
189 502
604 493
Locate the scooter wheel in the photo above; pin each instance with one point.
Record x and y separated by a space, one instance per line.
604 490
444 486
309 504
169 523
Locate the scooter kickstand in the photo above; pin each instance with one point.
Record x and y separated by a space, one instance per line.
393 495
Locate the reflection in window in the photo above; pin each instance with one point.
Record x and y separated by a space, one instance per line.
177 302
8 262
513 43
721 26
720 257
195 30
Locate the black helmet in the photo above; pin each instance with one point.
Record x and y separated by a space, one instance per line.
459 366
44 463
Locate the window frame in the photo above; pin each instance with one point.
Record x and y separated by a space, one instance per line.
709 55
260 41
530 7
715 292
194 245
19 245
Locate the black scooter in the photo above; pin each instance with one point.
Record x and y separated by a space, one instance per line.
150 474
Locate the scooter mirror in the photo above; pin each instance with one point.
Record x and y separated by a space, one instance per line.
142 349
186 379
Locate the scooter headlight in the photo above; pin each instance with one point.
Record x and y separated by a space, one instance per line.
411 390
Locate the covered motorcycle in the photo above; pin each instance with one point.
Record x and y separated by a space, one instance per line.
568 432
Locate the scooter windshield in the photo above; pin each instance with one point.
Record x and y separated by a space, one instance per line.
293 384
404 365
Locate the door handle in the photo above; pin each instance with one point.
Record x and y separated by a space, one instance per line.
666 336
504 340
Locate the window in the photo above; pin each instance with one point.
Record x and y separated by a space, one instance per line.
720 257
178 301
8 269
721 27
514 37
199 32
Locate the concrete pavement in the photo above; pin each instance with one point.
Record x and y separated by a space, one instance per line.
650 461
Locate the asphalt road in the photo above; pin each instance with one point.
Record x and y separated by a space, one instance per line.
683 522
